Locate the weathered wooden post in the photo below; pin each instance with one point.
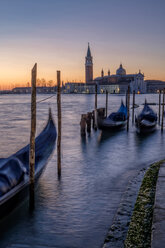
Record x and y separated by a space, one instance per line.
133 106
95 112
83 125
93 118
88 121
126 98
95 96
106 105
59 123
128 103
32 138
100 114
159 105
163 111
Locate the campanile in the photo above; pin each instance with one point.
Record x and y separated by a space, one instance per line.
88 66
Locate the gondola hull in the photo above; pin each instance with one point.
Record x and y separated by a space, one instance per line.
146 120
14 198
115 121
145 127
111 125
45 144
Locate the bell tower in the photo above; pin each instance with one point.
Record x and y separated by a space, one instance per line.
88 66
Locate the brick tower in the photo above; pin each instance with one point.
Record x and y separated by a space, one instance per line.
88 67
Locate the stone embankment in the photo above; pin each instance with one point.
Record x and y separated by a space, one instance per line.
145 227
140 228
158 225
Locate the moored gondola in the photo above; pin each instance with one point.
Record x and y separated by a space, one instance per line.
14 170
146 121
115 121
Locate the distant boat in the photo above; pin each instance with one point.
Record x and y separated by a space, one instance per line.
116 120
14 170
135 106
150 103
146 121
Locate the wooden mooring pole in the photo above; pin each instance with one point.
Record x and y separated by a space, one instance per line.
59 123
128 103
159 106
83 125
95 96
126 98
133 106
106 104
32 138
95 112
88 121
93 119
162 111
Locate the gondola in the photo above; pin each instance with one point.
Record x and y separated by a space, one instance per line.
14 170
146 121
115 121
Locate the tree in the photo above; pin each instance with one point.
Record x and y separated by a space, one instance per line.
50 83
43 82
38 82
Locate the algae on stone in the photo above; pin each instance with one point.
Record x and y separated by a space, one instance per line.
139 232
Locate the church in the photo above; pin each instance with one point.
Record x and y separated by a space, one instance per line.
115 83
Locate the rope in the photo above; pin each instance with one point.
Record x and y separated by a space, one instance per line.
45 99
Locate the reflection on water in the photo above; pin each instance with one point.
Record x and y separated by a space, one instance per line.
77 210
105 135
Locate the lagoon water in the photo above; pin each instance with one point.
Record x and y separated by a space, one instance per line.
77 210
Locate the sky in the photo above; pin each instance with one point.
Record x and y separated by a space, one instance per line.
55 34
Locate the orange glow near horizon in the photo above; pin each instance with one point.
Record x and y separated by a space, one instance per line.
17 61
14 77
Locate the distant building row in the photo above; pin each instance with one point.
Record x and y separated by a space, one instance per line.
152 86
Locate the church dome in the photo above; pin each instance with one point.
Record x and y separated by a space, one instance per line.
121 71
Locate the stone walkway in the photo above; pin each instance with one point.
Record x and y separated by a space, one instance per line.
158 225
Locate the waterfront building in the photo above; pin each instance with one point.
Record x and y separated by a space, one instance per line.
88 66
119 82
116 83
74 87
27 90
153 86
81 88
5 92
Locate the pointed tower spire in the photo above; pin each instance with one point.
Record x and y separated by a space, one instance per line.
88 51
102 73
109 72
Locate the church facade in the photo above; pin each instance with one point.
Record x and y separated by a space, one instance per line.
116 83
